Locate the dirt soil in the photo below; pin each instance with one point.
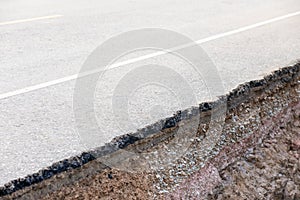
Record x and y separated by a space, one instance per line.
109 184
270 170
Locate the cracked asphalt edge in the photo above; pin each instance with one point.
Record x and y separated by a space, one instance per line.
233 98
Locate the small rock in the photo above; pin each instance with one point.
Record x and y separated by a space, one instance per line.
296 144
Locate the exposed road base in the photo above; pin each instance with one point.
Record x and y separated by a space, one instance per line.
257 112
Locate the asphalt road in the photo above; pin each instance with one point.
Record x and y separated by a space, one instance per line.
37 127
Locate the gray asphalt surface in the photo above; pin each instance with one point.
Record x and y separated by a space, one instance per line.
38 128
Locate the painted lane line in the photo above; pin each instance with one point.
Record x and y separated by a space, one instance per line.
38 86
119 64
246 28
29 20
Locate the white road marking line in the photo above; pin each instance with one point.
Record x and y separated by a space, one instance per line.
29 20
201 41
